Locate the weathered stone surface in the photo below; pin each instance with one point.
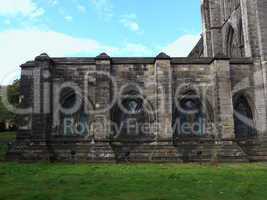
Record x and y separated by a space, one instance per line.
224 75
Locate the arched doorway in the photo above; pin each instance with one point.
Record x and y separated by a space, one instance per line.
243 118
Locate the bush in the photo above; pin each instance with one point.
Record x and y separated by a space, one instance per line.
2 126
3 151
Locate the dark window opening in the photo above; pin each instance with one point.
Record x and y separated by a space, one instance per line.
189 118
230 42
74 124
243 119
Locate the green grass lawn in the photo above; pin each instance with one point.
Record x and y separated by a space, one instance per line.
132 182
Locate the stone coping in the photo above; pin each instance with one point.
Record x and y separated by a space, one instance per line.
136 60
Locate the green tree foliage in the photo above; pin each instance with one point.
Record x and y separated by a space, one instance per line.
13 93
13 98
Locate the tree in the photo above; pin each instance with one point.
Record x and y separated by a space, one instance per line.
13 98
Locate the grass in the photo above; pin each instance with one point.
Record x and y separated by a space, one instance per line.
132 182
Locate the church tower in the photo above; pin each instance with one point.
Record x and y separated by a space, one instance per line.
235 28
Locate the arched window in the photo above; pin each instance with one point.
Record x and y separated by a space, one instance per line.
132 119
76 123
243 119
241 40
133 106
230 42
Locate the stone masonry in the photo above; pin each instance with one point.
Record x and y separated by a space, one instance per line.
208 107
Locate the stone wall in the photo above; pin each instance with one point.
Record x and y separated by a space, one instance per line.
225 73
157 80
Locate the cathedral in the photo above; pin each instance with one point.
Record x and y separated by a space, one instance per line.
208 107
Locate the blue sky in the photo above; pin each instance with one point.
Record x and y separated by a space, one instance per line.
89 27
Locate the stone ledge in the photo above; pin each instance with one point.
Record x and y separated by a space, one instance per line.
139 60
241 61
29 64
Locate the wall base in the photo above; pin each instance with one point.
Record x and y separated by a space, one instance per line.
184 151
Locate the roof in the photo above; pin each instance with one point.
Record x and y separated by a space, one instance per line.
137 60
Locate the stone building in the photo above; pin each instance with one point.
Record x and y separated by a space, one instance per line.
209 106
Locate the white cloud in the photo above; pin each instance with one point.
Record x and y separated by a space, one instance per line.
81 8
68 18
18 46
38 13
53 2
25 8
104 8
132 25
130 22
182 46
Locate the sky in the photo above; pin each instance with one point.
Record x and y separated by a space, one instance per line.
89 27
